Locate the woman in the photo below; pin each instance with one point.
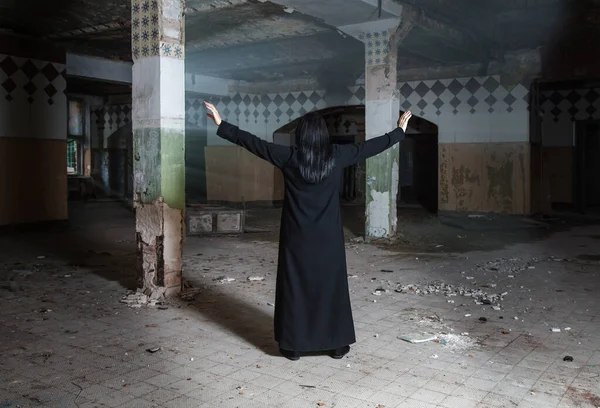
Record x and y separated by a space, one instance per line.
312 302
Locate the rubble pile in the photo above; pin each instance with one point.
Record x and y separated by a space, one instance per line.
456 342
479 296
500 268
508 266
138 299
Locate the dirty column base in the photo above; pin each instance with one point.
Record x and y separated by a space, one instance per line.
159 232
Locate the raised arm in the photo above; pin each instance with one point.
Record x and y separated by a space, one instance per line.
277 155
349 155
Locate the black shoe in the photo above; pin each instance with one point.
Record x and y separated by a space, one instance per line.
290 355
340 352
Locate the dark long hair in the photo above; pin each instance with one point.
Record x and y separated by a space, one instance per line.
315 151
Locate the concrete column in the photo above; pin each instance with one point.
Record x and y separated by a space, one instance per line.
158 99
381 116
381 39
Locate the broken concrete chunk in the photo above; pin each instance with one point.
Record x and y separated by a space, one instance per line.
135 299
224 279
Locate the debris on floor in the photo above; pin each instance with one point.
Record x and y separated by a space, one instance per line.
189 294
479 296
138 299
456 342
256 278
224 279
135 299
417 341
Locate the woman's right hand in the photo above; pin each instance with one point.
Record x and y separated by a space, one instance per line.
403 121
213 113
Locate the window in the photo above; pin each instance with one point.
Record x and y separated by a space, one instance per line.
75 137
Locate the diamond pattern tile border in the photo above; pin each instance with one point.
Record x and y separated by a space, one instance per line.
281 108
428 99
572 105
31 79
473 95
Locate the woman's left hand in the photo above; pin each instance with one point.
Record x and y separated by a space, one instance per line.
213 113
403 121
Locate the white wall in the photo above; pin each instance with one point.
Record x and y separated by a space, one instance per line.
470 110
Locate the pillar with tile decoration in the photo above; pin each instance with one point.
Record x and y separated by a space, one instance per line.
158 107
381 114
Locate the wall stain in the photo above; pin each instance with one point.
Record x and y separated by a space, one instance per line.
500 187
523 173
443 193
462 180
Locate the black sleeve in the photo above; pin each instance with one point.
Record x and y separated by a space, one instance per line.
351 154
277 155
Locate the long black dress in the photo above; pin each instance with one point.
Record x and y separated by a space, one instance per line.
312 303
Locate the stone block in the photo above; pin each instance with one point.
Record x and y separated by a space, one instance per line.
203 220
200 223
229 222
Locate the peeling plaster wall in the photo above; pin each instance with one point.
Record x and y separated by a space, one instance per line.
33 131
483 128
485 177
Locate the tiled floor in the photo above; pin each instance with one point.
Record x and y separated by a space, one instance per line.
66 341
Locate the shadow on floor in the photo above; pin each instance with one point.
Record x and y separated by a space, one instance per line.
236 315
99 236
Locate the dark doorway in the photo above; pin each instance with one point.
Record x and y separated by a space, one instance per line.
419 166
587 165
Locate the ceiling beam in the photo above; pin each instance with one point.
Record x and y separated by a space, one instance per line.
448 34
285 70
481 48
118 26
195 6
264 54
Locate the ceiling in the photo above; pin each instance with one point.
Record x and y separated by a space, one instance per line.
258 40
